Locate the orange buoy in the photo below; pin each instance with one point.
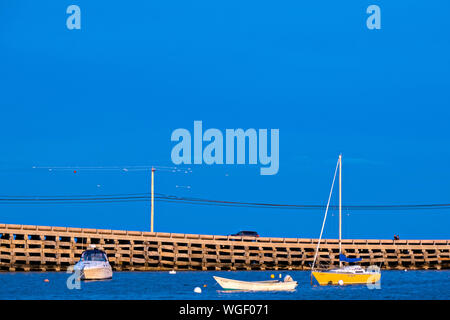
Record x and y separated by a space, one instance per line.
46 280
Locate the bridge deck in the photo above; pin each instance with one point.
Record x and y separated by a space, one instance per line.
45 248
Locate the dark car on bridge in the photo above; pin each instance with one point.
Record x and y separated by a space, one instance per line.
246 234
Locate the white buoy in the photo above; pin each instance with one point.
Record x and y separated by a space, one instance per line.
341 283
172 272
406 270
198 290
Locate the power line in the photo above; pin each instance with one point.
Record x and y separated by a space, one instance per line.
76 196
142 197
125 168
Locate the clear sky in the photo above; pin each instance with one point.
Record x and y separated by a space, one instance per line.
111 94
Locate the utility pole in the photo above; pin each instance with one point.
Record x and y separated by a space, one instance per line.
340 209
152 200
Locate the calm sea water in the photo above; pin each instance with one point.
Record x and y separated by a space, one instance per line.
162 285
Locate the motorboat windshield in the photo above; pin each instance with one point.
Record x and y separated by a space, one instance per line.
94 255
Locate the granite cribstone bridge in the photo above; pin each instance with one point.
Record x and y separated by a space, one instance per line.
45 248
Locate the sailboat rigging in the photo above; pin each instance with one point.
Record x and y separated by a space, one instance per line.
349 274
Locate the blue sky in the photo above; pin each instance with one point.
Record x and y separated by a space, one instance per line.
111 94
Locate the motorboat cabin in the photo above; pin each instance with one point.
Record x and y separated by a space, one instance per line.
94 265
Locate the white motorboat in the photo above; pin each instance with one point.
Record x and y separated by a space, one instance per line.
288 284
93 265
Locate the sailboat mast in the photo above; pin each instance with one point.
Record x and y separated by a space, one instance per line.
340 207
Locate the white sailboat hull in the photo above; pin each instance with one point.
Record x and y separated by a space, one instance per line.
230 284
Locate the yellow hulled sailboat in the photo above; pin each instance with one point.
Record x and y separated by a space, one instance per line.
344 275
